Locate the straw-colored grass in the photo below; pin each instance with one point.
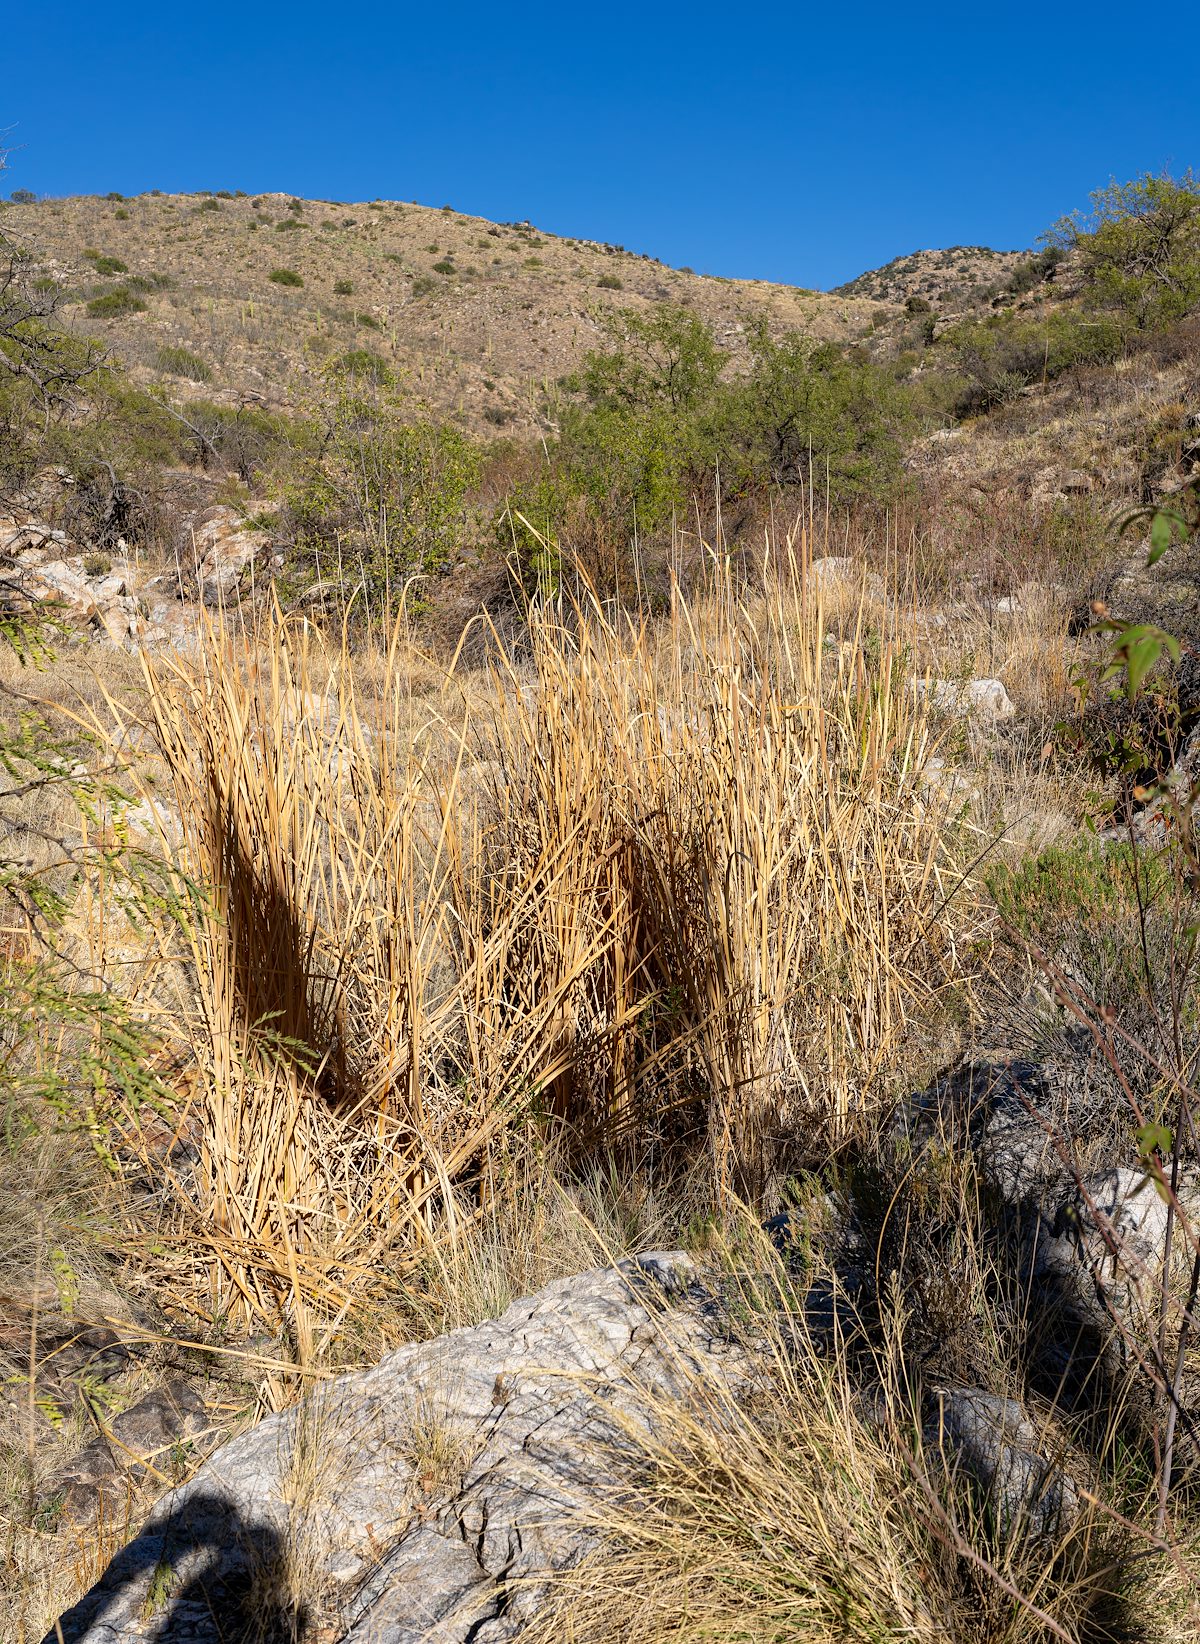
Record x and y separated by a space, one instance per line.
803 1504
661 884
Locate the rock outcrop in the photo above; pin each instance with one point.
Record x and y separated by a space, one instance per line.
428 1498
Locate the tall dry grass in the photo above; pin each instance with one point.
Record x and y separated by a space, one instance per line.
660 885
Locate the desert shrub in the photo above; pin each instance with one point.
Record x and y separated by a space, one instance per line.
251 441
394 492
113 195
287 224
181 362
444 267
1139 248
151 282
654 419
286 276
121 300
1003 354
1109 916
343 288
362 363
1035 271
209 205
369 320
110 265
918 305
610 282
121 215
23 196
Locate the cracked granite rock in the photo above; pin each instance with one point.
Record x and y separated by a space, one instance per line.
427 1498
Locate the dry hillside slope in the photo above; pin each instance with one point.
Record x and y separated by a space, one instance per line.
478 317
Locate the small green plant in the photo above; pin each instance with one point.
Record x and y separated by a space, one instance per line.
96 565
209 205
363 363
109 265
444 267
610 282
343 288
181 362
286 276
114 303
121 215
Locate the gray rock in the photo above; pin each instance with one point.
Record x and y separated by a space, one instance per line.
984 699
1018 1468
99 1481
428 1497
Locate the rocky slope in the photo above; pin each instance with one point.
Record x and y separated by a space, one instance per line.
478 317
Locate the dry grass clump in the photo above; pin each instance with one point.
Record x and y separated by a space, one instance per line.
814 1510
657 882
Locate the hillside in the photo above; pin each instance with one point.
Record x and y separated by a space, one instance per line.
957 278
479 318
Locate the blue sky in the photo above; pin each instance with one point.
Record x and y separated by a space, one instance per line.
781 142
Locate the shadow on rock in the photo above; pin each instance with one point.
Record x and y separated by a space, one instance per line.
199 1572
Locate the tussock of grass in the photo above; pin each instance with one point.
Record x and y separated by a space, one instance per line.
811 1510
657 881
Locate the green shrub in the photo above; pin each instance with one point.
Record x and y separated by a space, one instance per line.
369 320
1109 915
209 205
1139 248
1003 354
116 302
532 262
444 267
109 265
151 282
288 223
393 491
114 196
251 440
343 288
610 282
121 215
181 362
286 276
23 196
363 363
